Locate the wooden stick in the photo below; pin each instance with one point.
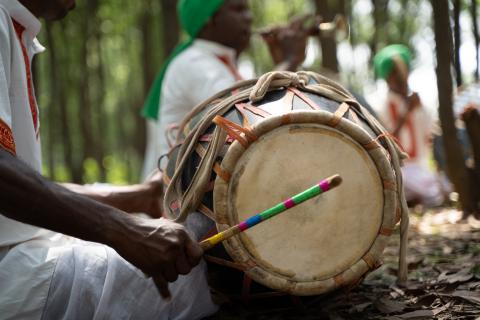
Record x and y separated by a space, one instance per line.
321 187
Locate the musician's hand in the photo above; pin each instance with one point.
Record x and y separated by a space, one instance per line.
160 248
287 44
413 101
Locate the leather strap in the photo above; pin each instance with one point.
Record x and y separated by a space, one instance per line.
235 131
338 114
304 97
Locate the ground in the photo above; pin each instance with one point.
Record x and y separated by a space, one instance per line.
444 279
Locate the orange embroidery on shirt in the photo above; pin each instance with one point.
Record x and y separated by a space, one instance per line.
6 138
233 70
19 29
412 152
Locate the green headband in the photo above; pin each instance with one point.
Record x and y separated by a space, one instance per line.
384 59
193 15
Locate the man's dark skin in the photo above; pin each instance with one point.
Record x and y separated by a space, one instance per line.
231 27
160 248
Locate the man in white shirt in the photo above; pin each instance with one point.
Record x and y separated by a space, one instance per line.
49 275
404 116
219 31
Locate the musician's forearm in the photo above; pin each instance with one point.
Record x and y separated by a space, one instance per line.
126 198
28 197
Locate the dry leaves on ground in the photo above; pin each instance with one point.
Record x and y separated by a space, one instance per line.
444 280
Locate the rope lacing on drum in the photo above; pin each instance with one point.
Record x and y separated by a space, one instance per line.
191 197
243 135
277 80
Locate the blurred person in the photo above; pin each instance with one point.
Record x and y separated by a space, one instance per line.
48 275
403 114
218 32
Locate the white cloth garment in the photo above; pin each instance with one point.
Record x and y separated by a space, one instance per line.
420 183
192 77
16 117
47 275
125 293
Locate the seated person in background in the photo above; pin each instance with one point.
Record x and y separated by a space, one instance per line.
46 273
218 30
403 115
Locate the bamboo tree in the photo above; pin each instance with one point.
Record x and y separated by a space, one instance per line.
148 61
471 118
453 151
170 25
328 44
380 17
473 12
99 101
457 4
85 109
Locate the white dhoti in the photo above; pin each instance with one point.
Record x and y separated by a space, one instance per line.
84 280
422 184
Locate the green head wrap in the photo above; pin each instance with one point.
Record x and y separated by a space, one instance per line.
384 60
193 15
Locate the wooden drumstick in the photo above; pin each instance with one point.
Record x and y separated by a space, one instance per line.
321 187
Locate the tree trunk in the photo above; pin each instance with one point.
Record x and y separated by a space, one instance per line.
376 29
85 108
170 25
67 126
101 118
328 44
457 39
380 18
471 117
402 23
456 168
149 71
473 12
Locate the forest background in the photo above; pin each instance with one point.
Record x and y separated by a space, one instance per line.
101 60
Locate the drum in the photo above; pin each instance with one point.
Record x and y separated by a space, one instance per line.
260 142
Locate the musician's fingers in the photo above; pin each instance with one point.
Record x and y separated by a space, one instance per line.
162 286
181 264
193 253
271 33
169 273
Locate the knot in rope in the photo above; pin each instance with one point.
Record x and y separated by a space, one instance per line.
277 79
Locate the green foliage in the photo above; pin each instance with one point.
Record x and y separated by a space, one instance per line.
117 170
91 171
93 79
98 62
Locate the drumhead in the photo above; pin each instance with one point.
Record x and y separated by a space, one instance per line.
304 248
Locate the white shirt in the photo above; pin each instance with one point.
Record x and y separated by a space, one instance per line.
25 268
192 77
19 120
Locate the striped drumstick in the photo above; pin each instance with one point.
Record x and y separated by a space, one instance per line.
323 186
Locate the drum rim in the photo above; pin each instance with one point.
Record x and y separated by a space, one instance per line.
357 270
